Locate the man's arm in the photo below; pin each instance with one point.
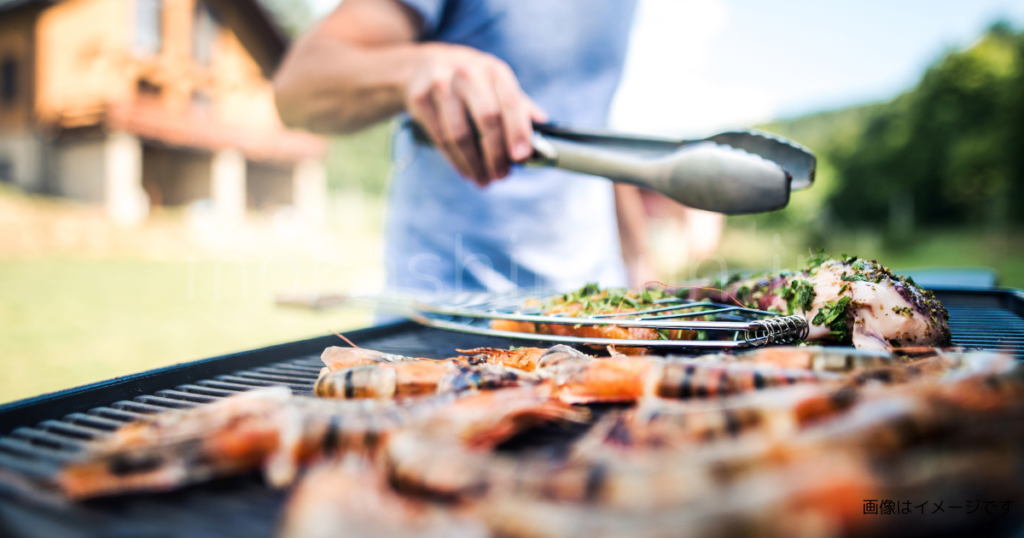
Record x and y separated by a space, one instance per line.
362 64
636 250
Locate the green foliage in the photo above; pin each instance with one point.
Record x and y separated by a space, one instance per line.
947 152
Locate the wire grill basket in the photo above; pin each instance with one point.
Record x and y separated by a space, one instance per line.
718 326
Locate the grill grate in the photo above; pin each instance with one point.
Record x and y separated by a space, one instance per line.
38 450
243 506
991 320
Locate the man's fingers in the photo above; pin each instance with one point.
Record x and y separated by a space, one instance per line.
482 103
516 114
423 109
537 114
458 140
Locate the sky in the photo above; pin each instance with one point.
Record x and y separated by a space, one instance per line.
696 67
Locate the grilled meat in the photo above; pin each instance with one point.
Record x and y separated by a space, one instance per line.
847 300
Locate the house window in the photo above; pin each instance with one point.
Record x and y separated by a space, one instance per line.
149 32
204 32
9 81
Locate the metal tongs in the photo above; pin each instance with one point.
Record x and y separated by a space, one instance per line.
735 172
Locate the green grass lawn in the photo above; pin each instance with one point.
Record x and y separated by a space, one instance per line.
66 322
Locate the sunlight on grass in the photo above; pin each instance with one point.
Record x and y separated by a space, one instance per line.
69 321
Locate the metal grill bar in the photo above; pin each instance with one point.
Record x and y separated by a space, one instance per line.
71 430
117 414
137 407
93 421
186 396
49 440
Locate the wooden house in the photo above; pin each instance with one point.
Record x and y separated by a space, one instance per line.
146 103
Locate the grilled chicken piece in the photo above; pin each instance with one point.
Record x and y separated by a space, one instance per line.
848 300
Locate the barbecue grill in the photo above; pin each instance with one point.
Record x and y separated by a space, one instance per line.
39 433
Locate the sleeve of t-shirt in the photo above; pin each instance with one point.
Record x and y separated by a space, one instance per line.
430 11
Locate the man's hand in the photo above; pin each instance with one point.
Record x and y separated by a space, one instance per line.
363 63
471 105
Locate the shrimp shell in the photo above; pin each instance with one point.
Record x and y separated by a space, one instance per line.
338 358
448 455
349 497
409 379
524 358
685 379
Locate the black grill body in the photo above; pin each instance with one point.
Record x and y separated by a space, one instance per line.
39 433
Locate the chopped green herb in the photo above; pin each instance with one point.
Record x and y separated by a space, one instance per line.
844 288
650 296
816 260
854 278
799 296
834 315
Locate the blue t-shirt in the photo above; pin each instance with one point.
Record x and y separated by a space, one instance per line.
538 227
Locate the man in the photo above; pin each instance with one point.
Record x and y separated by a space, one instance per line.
475 74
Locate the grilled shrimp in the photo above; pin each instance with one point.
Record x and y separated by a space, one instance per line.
264 428
447 454
350 498
822 494
171 449
811 498
885 422
418 378
659 423
817 358
627 379
524 358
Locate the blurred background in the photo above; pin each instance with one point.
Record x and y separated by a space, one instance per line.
152 205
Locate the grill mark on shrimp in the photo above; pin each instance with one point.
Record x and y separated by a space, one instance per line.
330 443
349 387
686 388
596 475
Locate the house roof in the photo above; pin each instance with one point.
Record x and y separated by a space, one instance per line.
255 26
